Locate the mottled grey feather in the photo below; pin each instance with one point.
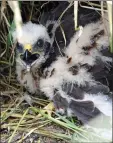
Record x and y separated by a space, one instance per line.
99 88
73 90
60 102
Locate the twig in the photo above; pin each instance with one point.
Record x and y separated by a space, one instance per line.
63 33
17 16
88 7
109 4
8 92
71 3
58 47
76 13
2 12
17 126
102 10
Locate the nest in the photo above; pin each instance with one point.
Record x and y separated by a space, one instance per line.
19 121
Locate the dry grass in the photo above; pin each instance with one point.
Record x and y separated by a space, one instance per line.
19 122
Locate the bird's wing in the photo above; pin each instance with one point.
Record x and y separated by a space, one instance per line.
84 110
86 102
90 110
89 114
77 92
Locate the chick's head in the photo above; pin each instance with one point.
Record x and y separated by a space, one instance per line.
34 44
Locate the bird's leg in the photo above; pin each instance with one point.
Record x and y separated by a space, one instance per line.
48 109
27 98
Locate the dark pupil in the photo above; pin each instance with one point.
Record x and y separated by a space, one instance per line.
19 47
40 43
85 48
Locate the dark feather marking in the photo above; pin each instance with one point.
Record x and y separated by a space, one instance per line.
74 70
52 72
97 36
86 66
40 72
52 57
93 42
35 73
73 90
23 72
69 60
49 28
46 74
88 48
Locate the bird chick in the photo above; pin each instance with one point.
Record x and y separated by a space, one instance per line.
70 81
32 49
90 42
73 86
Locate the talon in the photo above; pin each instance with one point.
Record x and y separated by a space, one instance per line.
27 98
48 109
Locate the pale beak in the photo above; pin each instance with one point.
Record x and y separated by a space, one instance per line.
28 47
28 56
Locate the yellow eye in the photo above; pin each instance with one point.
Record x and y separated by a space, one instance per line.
28 47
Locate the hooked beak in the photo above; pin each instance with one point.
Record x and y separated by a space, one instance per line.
28 57
27 54
28 47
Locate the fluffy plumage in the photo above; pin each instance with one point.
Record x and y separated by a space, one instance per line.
27 69
70 81
74 87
